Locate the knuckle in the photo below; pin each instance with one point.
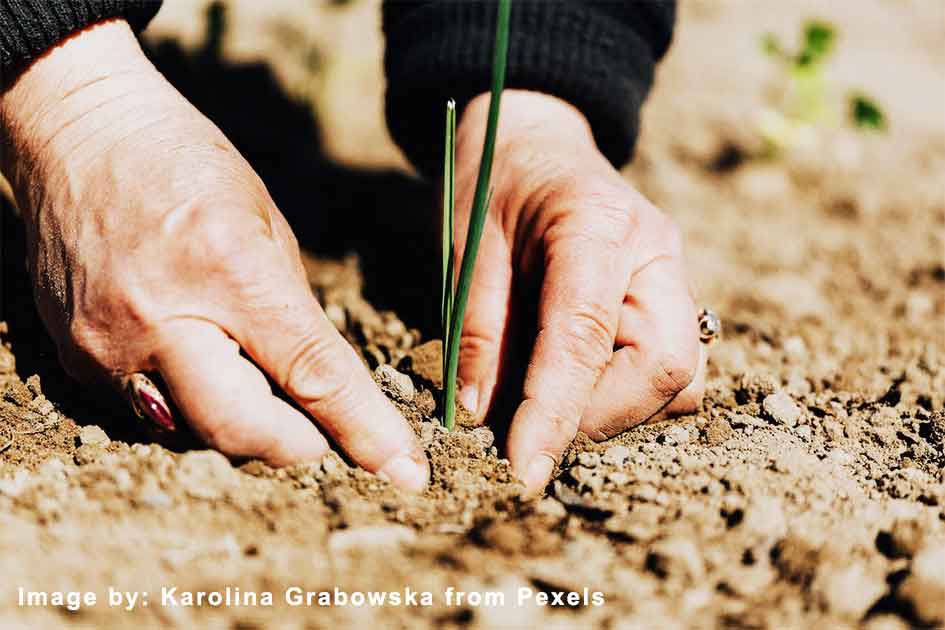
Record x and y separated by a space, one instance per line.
477 345
588 336
313 376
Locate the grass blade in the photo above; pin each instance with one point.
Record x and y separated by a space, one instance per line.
449 202
478 216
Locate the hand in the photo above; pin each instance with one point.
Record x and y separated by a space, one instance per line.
596 269
154 246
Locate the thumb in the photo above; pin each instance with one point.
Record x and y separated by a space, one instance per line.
485 323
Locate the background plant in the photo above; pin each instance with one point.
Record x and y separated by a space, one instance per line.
454 303
805 99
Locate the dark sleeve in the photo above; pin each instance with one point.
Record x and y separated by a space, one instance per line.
29 27
599 56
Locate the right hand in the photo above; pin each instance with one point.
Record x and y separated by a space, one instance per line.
153 246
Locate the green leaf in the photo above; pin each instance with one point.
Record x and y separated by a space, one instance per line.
819 39
865 113
449 203
478 215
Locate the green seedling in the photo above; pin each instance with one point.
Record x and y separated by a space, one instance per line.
805 102
454 302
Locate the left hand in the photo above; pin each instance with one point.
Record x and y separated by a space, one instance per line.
617 339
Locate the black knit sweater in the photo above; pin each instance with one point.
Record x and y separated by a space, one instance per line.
599 56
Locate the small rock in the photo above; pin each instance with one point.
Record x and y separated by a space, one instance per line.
850 591
484 436
395 383
833 429
675 436
677 558
795 349
427 431
782 409
42 406
551 507
718 431
925 586
905 538
333 465
205 474
93 434
588 459
618 478
88 454
587 477
370 537
804 432
616 455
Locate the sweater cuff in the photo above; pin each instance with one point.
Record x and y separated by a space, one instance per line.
30 27
571 50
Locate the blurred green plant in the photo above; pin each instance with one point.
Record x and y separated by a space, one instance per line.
805 103
454 303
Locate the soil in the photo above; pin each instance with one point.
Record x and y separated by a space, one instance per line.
807 492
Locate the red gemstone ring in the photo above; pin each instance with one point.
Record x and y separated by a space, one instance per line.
147 401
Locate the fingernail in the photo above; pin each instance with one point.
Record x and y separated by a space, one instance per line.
469 397
538 473
408 472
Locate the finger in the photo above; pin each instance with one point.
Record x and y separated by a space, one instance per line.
688 400
584 282
228 401
485 323
660 355
298 346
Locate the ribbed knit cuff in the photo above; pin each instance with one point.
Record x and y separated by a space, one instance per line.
30 27
576 51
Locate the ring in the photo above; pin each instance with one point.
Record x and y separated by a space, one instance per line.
147 401
710 326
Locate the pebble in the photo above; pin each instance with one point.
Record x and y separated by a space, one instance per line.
782 409
93 434
205 474
850 591
150 495
618 478
397 384
676 558
88 454
484 436
370 537
804 432
717 431
551 507
588 459
427 431
676 436
906 537
795 349
616 455
925 586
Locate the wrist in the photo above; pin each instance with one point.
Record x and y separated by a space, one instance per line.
528 117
